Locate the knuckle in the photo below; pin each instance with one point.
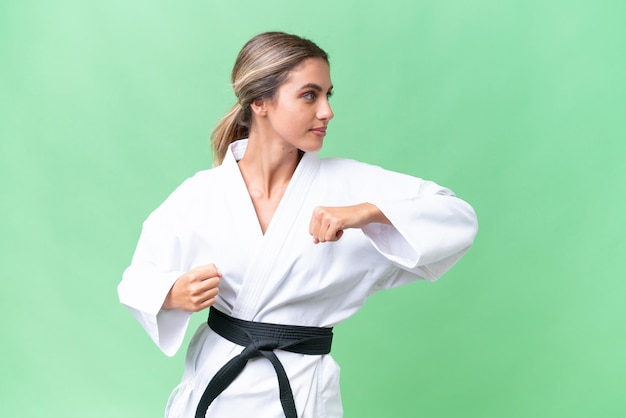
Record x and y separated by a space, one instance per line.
320 212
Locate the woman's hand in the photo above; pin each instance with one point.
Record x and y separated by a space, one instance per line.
328 223
195 290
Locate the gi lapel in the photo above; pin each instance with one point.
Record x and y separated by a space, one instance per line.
261 269
236 196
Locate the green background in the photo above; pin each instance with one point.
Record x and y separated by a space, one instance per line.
518 106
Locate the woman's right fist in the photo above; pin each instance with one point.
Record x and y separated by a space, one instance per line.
195 290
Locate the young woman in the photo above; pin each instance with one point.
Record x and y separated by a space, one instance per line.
281 245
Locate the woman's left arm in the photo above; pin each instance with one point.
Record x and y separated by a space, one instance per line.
328 223
418 225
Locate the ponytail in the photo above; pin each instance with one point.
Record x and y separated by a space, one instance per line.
231 127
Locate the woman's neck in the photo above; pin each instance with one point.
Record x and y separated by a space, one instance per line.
267 167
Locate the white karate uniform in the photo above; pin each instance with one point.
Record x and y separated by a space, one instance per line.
282 276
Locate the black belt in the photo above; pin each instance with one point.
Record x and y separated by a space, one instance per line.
260 339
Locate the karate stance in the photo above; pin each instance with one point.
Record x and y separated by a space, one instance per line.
281 245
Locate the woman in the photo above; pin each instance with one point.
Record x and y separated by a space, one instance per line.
282 245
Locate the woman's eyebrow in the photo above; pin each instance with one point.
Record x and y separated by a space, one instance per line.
314 87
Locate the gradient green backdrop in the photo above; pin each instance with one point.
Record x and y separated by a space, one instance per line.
518 106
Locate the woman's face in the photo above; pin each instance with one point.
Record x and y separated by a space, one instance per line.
299 112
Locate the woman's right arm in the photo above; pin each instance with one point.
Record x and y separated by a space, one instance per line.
160 288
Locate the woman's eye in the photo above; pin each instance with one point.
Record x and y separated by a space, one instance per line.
309 95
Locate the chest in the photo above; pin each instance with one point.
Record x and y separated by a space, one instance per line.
242 239
265 207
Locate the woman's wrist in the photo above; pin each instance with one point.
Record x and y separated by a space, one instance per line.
374 215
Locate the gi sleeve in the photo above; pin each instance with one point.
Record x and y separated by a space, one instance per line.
431 228
155 266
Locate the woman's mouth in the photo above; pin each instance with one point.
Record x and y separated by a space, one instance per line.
321 131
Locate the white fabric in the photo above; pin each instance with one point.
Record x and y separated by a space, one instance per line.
281 276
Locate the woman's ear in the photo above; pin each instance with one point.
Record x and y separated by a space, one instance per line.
259 107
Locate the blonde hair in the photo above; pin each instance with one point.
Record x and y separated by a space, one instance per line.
262 65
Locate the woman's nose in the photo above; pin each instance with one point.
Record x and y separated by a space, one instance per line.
324 112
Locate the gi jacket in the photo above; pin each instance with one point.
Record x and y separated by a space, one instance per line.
282 276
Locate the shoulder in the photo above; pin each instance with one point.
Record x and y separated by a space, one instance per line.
188 194
369 178
358 170
200 180
347 167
